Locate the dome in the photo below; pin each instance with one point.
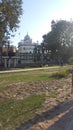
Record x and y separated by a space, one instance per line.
27 39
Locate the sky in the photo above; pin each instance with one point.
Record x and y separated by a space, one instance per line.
37 16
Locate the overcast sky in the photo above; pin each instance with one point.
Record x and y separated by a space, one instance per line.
37 17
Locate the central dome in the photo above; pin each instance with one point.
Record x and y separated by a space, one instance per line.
27 39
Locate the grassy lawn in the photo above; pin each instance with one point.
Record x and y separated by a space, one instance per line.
13 111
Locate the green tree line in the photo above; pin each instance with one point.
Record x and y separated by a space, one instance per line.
57 45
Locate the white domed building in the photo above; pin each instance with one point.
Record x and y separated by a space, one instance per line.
25 50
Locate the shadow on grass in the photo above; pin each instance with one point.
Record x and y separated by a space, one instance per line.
62 122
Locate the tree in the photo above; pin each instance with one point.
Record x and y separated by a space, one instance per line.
37 54
10 11
59 39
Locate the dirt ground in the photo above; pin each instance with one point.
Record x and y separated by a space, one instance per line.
57 111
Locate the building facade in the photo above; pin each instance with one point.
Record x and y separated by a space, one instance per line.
26 50
23 56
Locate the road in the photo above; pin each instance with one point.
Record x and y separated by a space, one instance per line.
64 118
70 127
57 118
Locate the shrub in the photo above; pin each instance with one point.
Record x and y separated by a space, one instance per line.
59 75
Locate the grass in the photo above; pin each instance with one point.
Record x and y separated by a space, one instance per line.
24 77
34 75
31 75
20 77
15 112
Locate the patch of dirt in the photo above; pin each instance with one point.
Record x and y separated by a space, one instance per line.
54 111
21 90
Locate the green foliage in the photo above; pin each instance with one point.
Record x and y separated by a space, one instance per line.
59 40
10 11
59 75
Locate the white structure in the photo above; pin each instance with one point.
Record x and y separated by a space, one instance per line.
26 49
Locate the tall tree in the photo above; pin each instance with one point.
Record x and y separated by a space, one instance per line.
10 11
59 39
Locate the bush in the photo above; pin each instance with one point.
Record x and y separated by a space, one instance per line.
59 75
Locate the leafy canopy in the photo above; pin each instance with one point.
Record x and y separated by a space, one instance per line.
60 39
10 11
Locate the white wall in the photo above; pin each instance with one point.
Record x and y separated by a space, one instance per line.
26 49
